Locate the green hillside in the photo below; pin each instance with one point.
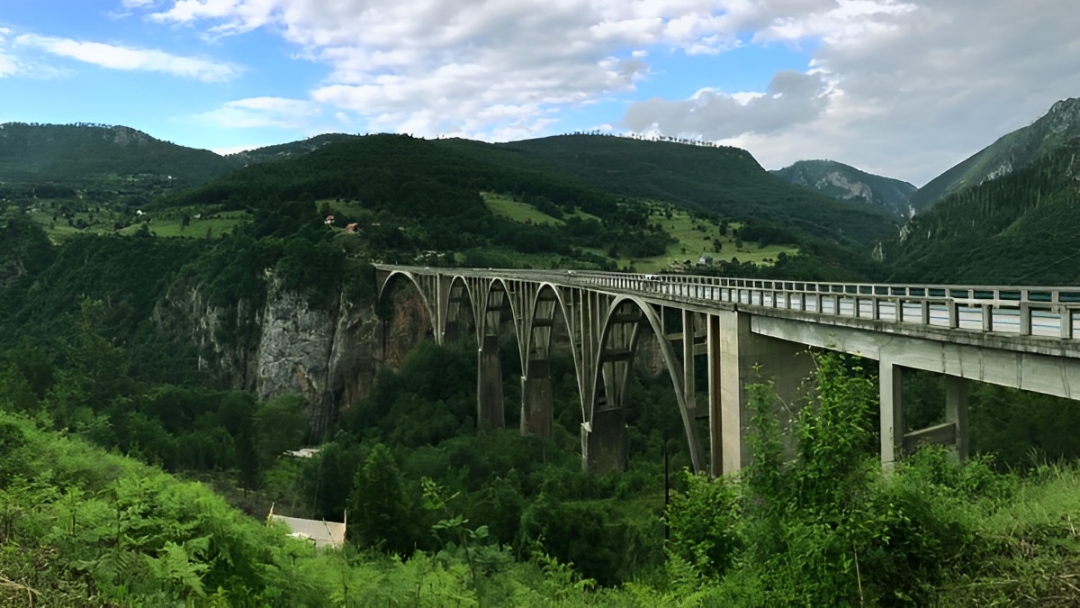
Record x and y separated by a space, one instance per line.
1023 228
850 184
287 150
1009 153
71 154
408 195
720 180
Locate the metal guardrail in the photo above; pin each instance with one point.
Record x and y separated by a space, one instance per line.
1052 312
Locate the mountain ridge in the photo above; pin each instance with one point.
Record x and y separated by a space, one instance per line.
717 179
849 183
1020 228
1007 154
70 153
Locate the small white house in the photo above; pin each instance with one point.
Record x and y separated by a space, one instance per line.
321 533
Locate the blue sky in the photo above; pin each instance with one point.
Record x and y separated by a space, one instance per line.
903 88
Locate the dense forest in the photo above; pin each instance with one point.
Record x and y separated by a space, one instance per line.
1020 229
136 472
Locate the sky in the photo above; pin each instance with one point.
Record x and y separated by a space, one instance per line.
903 88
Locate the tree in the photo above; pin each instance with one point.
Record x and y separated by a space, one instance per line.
279 426
378 503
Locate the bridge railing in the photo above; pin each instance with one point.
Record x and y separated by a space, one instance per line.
1039 311
1052 312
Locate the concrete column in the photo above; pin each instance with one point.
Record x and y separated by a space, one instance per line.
606 447
892 412
734 330
536 409
604 440
716 433
956 411
689 381
489 414
785 364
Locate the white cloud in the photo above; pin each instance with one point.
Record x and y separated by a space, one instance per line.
478 68
124 58
259 112
9 66
903 87
915 86
792 98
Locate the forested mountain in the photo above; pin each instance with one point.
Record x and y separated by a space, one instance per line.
407 194
286 150
716 179
850 184
1010 153
1021 228
70 154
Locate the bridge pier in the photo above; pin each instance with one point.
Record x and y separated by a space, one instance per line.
956 412
490 414
953 433
536 401
891 397
537 416
737 358
603 442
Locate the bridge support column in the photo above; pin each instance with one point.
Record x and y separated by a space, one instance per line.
536 408
716 409
606 447
747 358
489 414
604 444
891 394
956 412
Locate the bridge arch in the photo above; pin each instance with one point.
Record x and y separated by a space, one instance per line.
424 285
459 293
603 441
495 298
543 308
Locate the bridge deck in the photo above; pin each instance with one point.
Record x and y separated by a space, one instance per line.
1034 319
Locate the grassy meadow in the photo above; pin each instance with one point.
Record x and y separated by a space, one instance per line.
695 235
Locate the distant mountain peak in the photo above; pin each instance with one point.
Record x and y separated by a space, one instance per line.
1069 105
1011 152
847 183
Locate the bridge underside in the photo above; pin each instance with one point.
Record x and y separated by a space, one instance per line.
741 345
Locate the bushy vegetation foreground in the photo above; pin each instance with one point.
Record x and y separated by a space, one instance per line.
822 526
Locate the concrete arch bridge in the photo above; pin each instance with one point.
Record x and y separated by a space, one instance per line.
1019 337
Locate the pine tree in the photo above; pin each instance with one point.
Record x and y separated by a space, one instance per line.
378 507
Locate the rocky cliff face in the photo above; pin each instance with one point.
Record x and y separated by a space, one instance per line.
329 356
